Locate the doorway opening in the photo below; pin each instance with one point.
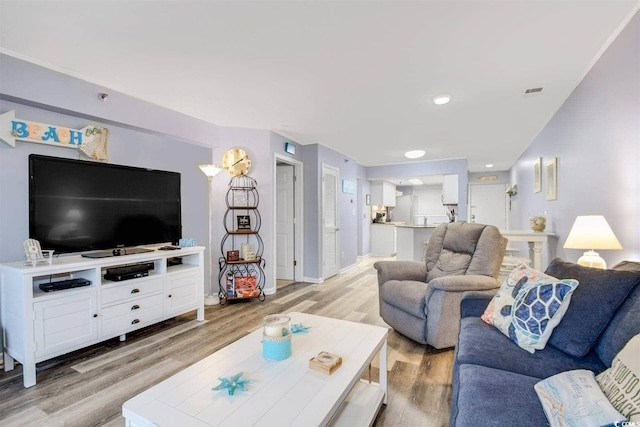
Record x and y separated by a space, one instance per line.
288 221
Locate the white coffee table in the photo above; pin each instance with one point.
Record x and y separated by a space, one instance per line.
283 393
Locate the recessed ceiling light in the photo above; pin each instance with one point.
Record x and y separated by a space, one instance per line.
441 99
488 165
414 154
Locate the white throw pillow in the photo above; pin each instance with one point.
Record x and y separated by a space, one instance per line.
621 382
528 306
573 399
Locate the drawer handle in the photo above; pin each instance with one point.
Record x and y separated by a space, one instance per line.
135 307
134 321
135 291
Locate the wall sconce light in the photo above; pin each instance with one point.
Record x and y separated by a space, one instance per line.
591 232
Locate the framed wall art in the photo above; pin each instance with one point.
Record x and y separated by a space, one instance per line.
537 175
551 176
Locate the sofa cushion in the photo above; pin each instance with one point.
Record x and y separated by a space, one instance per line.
405 294
492 397
474 303
528 306
573 398
621 382
627 266
624 325
481 344
593 304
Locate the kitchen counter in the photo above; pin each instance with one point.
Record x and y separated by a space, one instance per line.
412 241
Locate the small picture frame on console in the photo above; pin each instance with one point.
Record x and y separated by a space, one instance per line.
244 222
233 255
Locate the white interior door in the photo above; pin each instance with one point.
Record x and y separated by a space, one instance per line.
488 204
285 222
329 221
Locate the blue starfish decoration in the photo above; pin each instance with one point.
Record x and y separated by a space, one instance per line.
299 328
231 383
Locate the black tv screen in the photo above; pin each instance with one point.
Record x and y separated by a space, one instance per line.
78 206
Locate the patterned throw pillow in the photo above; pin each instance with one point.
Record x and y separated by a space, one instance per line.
573 399
621 382
528 305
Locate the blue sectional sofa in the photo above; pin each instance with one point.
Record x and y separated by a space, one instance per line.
493 378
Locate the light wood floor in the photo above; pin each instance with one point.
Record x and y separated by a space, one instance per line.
89 386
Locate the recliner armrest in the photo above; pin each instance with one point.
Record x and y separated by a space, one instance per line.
400 270
474 303
461 283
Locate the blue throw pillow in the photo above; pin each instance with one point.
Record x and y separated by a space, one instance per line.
593 304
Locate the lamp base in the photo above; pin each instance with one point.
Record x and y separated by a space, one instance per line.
592 259
211 299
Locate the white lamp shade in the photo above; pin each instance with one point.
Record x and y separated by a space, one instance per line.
591 232
210 170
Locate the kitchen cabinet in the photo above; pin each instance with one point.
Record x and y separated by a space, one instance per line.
450 189
383 240
383 193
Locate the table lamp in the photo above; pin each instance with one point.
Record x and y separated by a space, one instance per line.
591 232
210 171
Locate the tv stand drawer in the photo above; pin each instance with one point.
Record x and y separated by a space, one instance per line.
129 289
122 318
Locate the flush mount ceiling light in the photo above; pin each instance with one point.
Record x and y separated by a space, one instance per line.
441 99
414 154
488 165
415 181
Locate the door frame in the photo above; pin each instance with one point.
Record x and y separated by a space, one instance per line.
336 171
298 210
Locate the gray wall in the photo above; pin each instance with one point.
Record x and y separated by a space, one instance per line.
595 137
314 157
257 145
46 96
364 214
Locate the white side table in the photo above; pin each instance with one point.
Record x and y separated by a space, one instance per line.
536 241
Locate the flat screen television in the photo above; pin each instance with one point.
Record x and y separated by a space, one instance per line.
82 206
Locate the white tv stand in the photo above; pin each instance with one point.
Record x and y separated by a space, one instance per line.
39 325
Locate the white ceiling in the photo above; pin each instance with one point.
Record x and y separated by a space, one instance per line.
355 76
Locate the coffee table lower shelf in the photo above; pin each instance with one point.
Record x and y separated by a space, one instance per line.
361 406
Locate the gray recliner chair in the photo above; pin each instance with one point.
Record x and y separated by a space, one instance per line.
422 300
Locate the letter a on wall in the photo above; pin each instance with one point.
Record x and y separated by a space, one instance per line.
90 140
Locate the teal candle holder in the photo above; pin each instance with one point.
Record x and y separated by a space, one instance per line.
276 337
